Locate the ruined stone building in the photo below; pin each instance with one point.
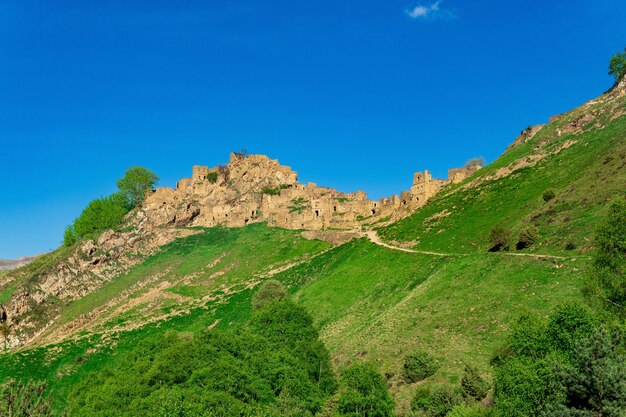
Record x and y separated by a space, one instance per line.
255 188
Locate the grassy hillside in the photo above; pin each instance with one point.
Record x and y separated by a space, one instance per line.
371 303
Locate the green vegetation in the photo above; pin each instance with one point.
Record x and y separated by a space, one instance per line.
270 291
100 214
499 238
528 236
419 365
298 205
274 191
475 162
473 386
548 195
137 181
212 177
607 281
274 365
436 401
617 65
569 365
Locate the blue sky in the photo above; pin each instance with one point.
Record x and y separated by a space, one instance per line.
351 94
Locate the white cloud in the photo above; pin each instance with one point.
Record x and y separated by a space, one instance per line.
431 11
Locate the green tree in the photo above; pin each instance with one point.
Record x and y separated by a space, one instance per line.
364 393
19 399
617 65
137 181
99 215
499 238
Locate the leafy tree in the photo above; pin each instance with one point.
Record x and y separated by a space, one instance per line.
419 365
271 290
617 65
137 181
606 284
364 393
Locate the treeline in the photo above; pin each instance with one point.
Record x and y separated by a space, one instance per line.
108 212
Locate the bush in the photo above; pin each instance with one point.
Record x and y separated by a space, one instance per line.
499 238
617 65
436 401
475 410
274 190
269 291
528 236
548 195
418 366
212 177
473 386
363 393
570 245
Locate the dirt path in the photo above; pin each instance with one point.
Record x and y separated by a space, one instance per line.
374 238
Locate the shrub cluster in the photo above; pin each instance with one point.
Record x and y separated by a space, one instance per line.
548 195
527 236
499 238
275 365
270 291
364 393
20 399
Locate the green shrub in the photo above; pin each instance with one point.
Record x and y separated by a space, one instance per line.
436 401
473 386
617 65
363 393
499 238
269 291
527 236
570 245
463 410
274 190
418 366
548 195
212 177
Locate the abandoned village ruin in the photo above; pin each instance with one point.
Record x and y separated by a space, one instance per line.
255 188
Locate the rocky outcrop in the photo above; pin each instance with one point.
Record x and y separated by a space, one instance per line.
91 264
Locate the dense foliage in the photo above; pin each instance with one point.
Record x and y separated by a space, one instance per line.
436 401
99 215
570 365
273 366
137 181
499 238
473 386
364 393
527 236
617 65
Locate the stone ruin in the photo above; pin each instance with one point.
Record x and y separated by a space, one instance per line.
255 188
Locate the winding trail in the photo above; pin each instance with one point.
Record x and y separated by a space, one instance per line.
374 238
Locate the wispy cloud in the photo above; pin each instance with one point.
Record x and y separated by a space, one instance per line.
431 11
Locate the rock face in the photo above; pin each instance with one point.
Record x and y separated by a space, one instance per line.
255 188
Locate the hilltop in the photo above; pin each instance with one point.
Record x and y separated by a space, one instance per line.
7 265
414 276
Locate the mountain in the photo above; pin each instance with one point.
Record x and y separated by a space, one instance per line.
419 276
7 265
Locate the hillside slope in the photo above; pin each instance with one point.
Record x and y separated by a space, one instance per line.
371 303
